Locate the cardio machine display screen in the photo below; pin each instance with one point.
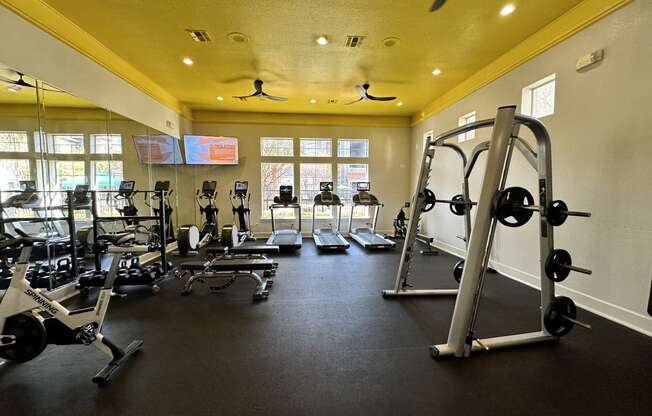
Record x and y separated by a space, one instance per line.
363 186
326 186
241 186
158 150
208 187
126 186
209 150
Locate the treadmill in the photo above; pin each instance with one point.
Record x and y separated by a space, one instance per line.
286 238
327 238
367 237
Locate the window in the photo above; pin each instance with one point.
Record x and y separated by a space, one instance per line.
539 98
106 175
311 174
13 171
347 177
316 148
352 148
276 146
272 176
463 121
62 175
63 144
106 144
13 141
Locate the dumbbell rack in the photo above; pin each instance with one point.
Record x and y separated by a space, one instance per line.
420 200
461 339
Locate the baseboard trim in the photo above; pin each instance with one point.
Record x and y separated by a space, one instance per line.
630 319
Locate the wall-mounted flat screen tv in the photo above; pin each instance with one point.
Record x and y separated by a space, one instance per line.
158 150
210 150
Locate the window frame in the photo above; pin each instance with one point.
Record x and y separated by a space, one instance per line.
463 120
349 140
316 139
528 93
265 213
266 138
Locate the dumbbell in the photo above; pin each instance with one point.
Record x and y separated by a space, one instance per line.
559 264
561 316
514 207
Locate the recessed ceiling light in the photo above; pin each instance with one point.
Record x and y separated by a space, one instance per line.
436 71
220 98
399 103
391 41
14 88
237 37
507 9
313 101
188 61
322 40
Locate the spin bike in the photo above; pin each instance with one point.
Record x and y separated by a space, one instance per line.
191 238
242 231
29 320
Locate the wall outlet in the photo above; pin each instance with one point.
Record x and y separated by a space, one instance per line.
589 59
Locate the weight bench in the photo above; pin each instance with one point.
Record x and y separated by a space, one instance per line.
244 252
231 269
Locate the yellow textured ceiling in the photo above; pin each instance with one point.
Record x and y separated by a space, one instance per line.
461 38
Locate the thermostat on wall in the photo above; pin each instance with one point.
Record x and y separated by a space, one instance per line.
589 59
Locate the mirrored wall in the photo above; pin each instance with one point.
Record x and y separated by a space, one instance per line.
63 159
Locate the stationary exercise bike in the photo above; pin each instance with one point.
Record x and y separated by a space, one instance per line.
242 231
400 223
29 320
191 238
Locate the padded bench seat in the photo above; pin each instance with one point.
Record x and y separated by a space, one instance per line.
247 249
229 265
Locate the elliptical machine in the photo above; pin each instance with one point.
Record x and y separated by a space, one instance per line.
242 231
162 190
191 238
29 321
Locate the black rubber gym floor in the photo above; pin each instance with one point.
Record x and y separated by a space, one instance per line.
327 343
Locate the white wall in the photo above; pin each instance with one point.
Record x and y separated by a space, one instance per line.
601 162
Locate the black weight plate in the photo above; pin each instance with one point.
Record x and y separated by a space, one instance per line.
557 213
31 338
458 209
554 265
430 198
553 319
507 210
458 269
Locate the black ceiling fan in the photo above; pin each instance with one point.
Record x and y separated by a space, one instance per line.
20 82
364 95
436 5
258 86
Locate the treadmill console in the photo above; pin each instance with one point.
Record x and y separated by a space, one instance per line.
162 186
363 186
363 197
126 188
27 195
80 196
285 196
241 188
208 188
326 192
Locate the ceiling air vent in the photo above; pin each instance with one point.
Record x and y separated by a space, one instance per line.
201 36
354 41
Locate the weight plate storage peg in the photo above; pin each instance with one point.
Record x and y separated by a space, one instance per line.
509 208
557 265
560 316
458 269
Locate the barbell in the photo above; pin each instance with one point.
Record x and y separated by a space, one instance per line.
457 204
514 206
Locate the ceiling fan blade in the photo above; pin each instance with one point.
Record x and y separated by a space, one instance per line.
356 101
273 98
244 97
371 97
8 80
436 5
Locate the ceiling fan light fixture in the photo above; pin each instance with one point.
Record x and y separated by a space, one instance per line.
14 88
507 9
322 40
